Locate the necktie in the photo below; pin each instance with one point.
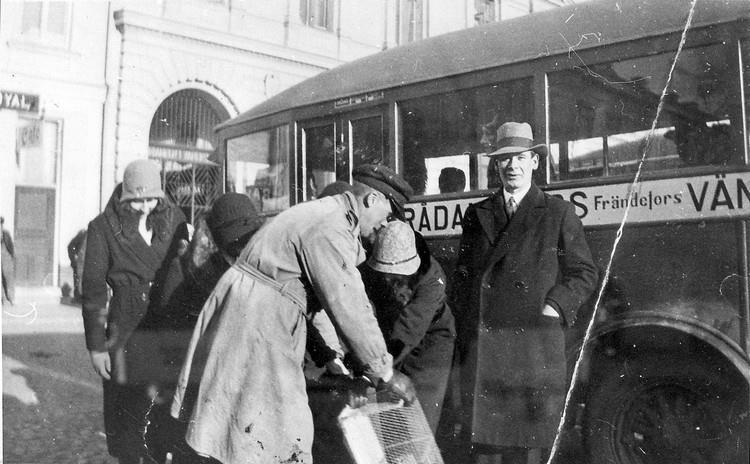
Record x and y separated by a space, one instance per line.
511 207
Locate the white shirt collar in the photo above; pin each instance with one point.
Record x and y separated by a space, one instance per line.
518 196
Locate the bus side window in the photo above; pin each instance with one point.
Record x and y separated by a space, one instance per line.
601 115
323 159
446 137
258 166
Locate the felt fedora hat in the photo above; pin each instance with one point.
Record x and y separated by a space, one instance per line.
516 137
395 250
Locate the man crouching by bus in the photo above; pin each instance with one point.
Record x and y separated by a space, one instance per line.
523 270
242 387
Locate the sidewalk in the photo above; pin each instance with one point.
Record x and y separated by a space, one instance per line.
38 310
52 398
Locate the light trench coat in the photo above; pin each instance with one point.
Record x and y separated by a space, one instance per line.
242 387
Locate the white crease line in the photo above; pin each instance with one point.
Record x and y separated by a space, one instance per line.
634 184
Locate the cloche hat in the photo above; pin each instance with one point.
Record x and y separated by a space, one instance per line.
141 180
231 218
515 137
395 250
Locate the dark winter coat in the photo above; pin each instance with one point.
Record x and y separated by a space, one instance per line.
189 281
513 357
8 266
420 334
118 258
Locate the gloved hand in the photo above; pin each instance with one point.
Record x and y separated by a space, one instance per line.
357 392
398 388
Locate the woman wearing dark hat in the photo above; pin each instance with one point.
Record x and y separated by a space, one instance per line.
127 248
218 240
216 243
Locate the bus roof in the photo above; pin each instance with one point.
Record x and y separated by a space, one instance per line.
580 26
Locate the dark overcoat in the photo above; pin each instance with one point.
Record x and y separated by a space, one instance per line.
118 258
513 357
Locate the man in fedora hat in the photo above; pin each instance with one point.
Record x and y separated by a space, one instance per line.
523 270
241 390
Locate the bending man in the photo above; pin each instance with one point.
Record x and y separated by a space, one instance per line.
242 387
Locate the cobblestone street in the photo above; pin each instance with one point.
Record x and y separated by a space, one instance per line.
52 399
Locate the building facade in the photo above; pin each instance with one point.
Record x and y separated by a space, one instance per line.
88 86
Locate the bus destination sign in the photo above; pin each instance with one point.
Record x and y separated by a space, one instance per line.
358 99
667 200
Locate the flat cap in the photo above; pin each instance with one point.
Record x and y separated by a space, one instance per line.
386 181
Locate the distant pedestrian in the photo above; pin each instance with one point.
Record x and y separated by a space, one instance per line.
128 247
77 256
8 265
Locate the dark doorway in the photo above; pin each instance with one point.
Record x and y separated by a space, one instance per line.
34 234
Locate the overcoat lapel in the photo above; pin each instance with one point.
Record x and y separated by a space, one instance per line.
530 212
137 246
491 215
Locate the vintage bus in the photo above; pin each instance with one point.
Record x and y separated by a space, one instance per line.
666 371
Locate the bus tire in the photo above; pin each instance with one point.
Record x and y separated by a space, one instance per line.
665 407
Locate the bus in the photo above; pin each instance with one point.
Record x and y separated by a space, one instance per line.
665 376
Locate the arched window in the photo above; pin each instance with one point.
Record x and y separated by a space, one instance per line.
182 139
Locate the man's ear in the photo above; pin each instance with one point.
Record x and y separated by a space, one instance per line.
370 199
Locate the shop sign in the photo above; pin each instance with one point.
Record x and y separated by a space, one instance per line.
30 135
179 154
18 101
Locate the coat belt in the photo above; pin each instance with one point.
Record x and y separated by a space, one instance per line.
287 289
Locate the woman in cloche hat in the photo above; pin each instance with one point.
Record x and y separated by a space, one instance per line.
127 248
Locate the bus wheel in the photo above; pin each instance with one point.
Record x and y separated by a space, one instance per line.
666 408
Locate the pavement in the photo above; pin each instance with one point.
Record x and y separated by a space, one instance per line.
52 399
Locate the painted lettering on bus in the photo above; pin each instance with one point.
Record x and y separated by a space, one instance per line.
435 217
636 200
577 197
721 195
657 200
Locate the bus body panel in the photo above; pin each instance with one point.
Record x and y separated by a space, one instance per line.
672 326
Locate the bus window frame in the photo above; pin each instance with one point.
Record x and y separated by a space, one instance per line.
342 123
